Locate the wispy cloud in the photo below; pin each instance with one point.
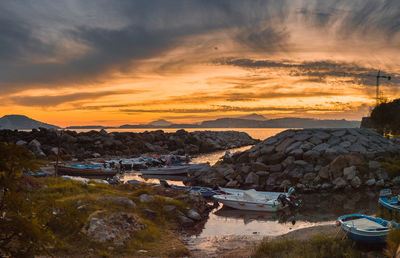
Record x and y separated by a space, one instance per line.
55 100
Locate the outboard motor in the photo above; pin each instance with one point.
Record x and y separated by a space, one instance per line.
283 200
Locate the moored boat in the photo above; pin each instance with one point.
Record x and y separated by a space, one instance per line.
233 191
252 200
86 171
387 200
363 228
204 191
173 170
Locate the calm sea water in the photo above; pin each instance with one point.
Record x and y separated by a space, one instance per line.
256 133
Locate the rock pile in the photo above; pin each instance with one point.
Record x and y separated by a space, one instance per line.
94 144
310 159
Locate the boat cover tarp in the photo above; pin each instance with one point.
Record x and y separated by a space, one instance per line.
252 195
364 224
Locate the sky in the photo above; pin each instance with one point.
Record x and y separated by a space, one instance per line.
73 62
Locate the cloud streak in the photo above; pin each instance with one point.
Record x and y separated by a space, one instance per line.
55 100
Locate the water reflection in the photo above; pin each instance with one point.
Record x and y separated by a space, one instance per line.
153 179
317 209
213 157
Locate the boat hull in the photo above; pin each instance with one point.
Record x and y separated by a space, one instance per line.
174 170
165 171
88 173
269 195
390 203
375 234
248 205
359 237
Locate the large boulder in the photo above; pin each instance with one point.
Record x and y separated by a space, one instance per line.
251 179
350 172
117 228
356 182
339 183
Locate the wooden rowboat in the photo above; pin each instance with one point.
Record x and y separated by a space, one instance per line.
363 228
86 172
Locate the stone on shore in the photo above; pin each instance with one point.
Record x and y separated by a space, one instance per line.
314 158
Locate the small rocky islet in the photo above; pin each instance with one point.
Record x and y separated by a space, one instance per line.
309 159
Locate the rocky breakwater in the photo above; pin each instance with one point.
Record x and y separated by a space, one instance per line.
309 159
44 142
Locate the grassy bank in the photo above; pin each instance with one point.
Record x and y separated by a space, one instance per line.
317 246
61 210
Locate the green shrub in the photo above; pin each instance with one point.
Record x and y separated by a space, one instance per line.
393 241
318 246
392 167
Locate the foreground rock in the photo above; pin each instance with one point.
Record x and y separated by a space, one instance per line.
312 159
116 228
44 142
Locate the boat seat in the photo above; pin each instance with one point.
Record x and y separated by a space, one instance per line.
365 224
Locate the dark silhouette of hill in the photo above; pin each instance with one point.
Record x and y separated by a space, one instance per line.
21 122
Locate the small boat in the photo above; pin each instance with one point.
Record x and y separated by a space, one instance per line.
363 228
174 170
269 195
387 200
204 191
251 200
88 171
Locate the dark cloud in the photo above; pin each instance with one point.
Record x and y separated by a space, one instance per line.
117 35
316 71
225 109
52 100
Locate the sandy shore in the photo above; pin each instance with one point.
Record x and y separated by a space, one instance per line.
243 246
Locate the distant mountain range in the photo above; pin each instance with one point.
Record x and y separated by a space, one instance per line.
20 122
253 116
257 122
250 121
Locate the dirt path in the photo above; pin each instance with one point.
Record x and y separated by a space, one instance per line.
243 246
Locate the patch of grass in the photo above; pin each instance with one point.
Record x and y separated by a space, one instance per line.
180 251
65 207
318 246
393 241
392 166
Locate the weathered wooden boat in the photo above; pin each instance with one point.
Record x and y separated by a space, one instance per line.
366 229
251 200
387 200
86 171
173 170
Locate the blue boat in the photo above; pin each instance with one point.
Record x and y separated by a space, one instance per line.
387 200
366 229
204 191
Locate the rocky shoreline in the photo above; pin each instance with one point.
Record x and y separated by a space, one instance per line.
309 159
85 145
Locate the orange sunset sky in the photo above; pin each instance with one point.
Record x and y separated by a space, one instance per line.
115 62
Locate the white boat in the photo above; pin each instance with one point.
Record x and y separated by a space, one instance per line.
174 170
268 195
171 170
250 200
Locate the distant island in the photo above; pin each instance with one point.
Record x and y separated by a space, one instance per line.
22 122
